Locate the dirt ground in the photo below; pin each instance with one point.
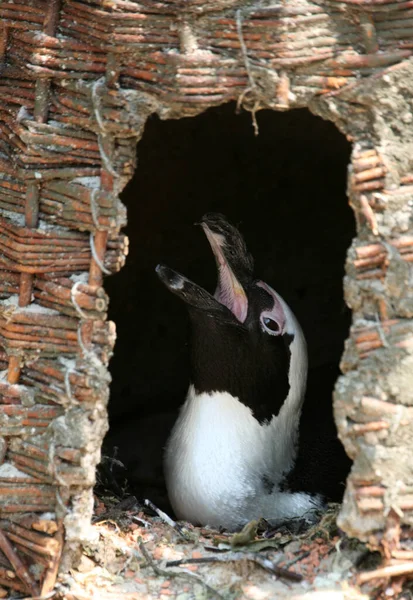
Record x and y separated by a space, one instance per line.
136 556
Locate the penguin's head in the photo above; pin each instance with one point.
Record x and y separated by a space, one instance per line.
245 340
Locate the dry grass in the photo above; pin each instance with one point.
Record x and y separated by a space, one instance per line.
135 556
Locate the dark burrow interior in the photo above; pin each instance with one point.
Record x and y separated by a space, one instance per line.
286 189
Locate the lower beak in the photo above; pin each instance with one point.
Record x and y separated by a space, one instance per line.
192 294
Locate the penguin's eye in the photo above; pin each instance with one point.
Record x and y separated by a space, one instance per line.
271 326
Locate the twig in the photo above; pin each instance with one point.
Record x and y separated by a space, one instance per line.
263 562
384 572
51 594
380 329
296 559
183 531
21 571
252 86
141 521
181 573
244 50
369 214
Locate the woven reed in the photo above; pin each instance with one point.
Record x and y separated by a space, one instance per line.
78 81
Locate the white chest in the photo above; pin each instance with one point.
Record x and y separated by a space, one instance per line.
215 459
217 456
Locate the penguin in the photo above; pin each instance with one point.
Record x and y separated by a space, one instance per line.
235 441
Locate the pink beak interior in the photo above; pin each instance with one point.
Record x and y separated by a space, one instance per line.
229 291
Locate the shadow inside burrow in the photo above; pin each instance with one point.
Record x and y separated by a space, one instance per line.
286 189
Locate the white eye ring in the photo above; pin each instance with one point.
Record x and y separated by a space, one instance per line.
270 326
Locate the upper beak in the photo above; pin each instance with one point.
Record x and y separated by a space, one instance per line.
234 266
234 263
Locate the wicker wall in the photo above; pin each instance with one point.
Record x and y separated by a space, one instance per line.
78 80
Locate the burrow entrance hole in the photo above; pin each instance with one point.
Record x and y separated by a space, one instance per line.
286 189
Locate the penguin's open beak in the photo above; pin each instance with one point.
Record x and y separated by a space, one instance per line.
234 264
